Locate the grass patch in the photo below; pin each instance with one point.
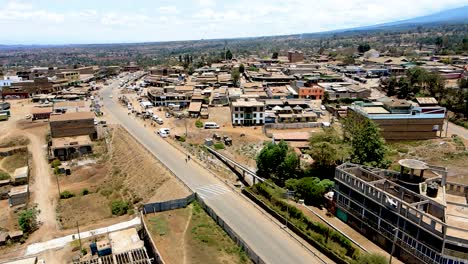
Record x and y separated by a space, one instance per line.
66 195
209 236
15 161
4 176
218 145
158 225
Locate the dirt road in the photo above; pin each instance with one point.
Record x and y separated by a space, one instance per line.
43 190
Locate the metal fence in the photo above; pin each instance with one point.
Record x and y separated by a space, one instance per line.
231 233
168 205
149 243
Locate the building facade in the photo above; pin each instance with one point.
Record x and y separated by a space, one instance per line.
248 112
415 210
295 56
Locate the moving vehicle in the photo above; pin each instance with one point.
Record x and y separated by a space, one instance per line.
210 125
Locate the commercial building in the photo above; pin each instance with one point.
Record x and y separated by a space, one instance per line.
402 120
65 148
295 56
415 210
248 112
315 92
73 124
165 97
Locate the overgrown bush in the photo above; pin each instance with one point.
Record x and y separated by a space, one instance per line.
371 258
181 138
66 195
199 124
84 192
55 163
4 176
218 145
119 207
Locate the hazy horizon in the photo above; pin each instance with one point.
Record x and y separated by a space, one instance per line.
58 22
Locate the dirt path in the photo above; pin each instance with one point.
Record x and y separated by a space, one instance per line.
184 241
43 190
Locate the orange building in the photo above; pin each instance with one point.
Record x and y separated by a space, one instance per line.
314 92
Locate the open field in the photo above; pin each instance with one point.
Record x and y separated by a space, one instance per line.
122 170
189 235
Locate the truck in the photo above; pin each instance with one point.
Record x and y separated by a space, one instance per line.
3 117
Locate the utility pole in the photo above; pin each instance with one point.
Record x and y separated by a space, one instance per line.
79 238
58 185
393 245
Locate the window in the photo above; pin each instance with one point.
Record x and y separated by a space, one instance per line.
236 115
261 115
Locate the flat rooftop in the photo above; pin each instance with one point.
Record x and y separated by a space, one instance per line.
125 240
64 142
72 116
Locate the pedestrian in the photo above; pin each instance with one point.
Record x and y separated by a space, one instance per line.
188 157
185 160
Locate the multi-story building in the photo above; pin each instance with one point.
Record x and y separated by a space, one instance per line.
295 56
248 112
402 120
168 96
415 211
315 92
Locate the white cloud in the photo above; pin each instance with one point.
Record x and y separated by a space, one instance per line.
205 2
168 9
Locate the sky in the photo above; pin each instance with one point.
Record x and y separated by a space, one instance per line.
118 21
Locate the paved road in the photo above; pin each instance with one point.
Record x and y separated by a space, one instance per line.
266 238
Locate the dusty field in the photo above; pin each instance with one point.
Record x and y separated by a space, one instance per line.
189 235
10 163
447 152
119 172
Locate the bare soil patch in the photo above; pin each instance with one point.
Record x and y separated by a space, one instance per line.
120 170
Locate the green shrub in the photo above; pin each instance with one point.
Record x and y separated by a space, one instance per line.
4 176
119 207
181 138
66 195
371 258
27 220
84 251
218 145
55 163
84 192
199 124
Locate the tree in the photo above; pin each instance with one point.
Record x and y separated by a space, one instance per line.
27 220
235 75
277 162
434 84
275 55
228 55
367 145
363 47
119 207
241 68
327 150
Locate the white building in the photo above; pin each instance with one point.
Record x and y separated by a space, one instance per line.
248 112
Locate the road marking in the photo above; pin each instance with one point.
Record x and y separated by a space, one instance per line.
212 191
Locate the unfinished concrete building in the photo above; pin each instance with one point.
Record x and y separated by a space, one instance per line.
415 209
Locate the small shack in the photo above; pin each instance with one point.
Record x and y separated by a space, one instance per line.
18 195
15 235
21 176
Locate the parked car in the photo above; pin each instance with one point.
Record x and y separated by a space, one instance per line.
159 121
168 115
163 132
210 125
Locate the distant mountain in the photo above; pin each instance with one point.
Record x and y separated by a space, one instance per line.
451 16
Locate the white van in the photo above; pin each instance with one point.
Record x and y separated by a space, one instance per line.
210 125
